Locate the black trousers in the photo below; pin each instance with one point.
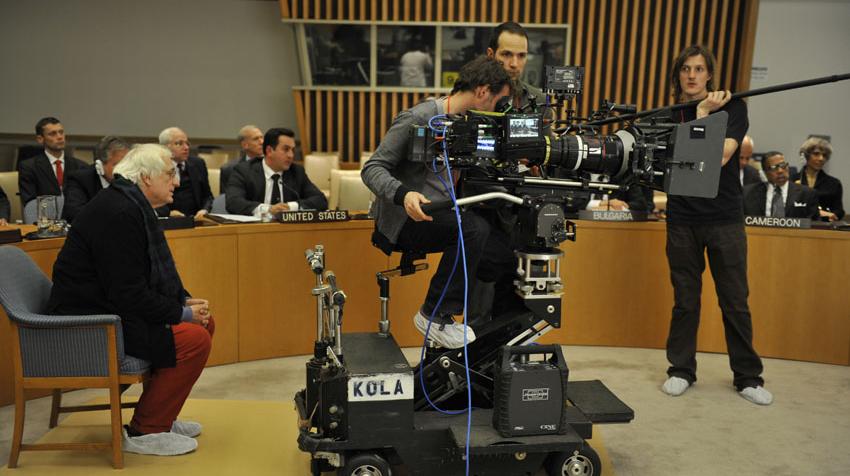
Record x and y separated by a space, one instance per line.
727 257
488 255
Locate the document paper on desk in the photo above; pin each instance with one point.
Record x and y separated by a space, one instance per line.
236 218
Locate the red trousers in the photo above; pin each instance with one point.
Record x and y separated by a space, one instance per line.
168 388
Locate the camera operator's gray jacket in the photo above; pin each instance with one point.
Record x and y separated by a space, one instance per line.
390 174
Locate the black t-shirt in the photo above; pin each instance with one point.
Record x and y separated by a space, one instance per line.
728 206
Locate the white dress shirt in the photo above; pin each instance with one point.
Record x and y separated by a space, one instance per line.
266 205
53 161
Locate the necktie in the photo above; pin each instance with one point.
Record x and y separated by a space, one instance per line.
777 205
60 175
275 189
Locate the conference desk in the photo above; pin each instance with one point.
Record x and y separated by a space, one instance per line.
617 290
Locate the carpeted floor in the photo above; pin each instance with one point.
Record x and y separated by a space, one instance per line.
709 430
240 437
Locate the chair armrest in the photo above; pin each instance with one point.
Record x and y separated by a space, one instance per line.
44 321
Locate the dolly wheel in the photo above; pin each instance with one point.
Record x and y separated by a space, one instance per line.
365 464
584 462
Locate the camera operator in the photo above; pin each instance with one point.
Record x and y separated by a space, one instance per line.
717 224
402 186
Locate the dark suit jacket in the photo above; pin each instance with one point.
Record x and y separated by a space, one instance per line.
80 187
5 208
36 176
247 188
751 175
197 170
829 192
802 202
104 268
226 169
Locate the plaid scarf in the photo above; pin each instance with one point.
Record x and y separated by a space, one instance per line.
164 277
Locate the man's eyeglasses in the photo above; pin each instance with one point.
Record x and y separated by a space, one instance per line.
181 143
172 172
775 167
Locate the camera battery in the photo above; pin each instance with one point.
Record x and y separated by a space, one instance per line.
530 391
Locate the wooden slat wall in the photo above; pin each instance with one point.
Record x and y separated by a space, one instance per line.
626 47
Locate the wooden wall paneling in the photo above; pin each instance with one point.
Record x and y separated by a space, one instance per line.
515 12
611 31
621 50
578 52
677 46
353 152
721 53
340 127
748 41
538 12
653 56
383 117
285 11
640 91
597 52
298 100
701 22
733 34
526 17
320 131
712 27
665 59
373 116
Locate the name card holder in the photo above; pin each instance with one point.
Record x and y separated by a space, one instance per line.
777 222
312 216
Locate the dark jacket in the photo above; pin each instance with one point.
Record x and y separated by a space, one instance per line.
226 169
37 177
104 268
829 191
751 175
802 202
247 188
5 208
200 190
80 187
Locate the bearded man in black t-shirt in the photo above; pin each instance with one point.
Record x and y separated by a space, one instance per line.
695 225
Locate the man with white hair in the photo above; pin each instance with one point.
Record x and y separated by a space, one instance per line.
115 260
193 196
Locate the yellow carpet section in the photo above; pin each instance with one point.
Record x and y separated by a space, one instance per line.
255 438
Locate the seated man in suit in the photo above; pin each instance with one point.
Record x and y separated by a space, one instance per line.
116 260
82 185
273 184
45 173
5 208
251 141
748 174
193 196
779 197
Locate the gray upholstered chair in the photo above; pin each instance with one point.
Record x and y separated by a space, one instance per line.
61 352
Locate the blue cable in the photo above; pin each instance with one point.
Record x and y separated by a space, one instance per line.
462 248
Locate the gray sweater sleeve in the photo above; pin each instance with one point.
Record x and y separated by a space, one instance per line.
393 150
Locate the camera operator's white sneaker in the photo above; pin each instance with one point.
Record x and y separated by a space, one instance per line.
448 334
675 386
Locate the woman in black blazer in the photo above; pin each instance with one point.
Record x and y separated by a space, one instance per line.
817 152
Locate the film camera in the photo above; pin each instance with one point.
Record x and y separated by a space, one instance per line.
497 149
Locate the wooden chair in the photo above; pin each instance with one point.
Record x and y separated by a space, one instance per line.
62 352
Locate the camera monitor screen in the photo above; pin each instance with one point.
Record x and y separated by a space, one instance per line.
524 127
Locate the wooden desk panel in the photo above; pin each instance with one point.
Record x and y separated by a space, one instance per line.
616 280
277 313
208 269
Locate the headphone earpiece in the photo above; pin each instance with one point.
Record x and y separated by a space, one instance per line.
98 166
